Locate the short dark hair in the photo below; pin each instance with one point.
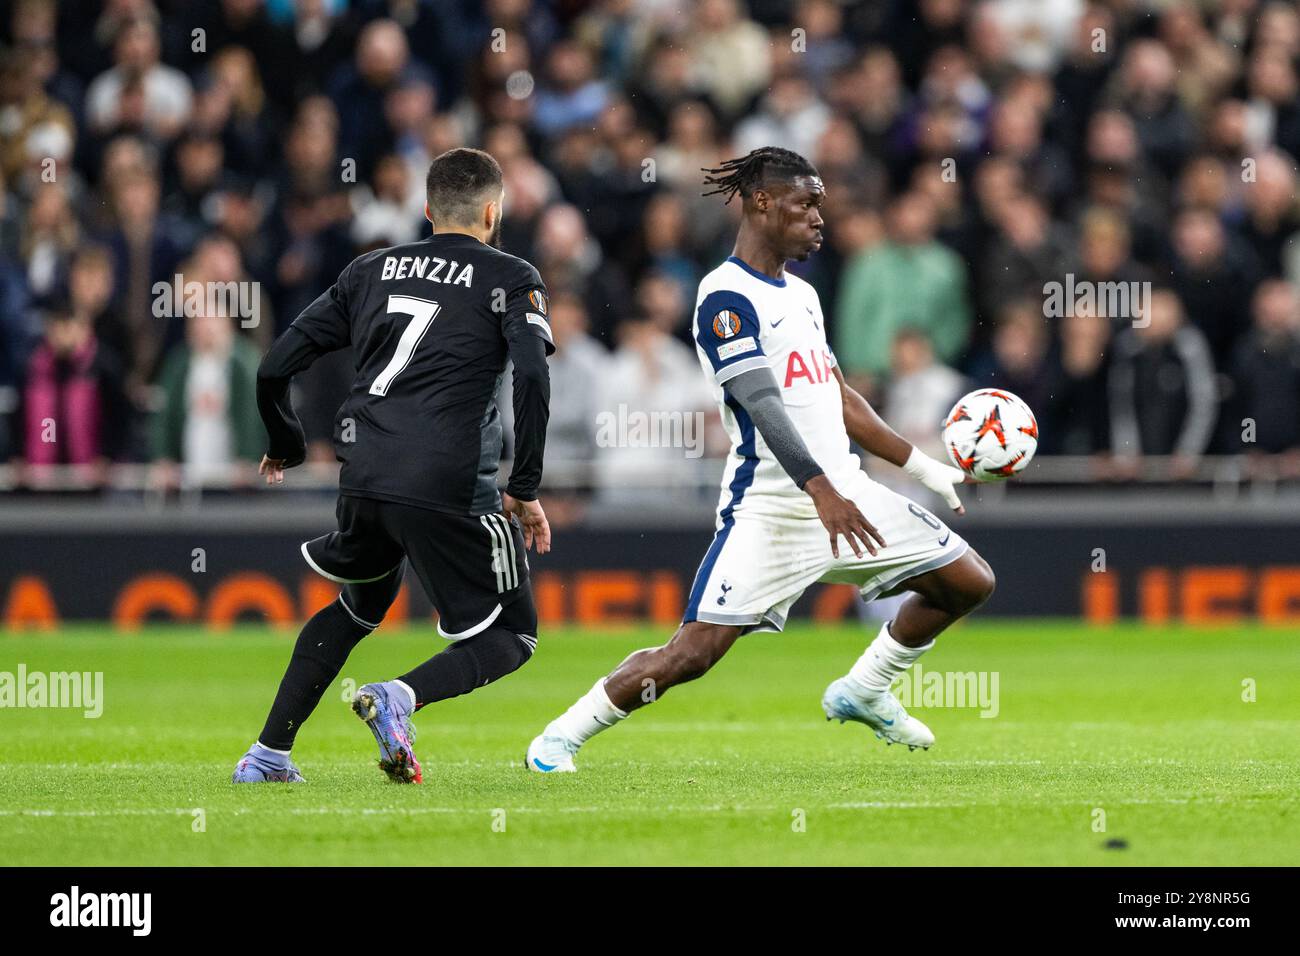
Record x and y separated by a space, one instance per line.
457 182
755 169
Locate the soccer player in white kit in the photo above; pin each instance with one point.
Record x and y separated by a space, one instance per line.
790 482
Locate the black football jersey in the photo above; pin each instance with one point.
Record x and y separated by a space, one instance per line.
431 324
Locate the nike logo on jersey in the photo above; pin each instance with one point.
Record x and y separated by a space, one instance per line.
944 539
776 322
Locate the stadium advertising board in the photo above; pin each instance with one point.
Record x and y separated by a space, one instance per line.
1155 574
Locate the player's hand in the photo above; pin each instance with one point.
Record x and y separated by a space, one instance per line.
272 469
533 521
842 517
940 478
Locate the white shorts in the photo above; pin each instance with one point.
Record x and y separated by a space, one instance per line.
759 565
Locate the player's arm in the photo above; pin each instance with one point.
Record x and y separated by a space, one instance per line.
875 437
728 332
322 327
528 341
757 393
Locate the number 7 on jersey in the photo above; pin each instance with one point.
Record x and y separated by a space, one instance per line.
422 313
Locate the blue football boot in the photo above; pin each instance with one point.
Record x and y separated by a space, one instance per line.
385 710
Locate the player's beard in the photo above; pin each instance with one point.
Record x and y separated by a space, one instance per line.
494 240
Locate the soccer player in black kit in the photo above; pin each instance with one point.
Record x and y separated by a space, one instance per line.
432 325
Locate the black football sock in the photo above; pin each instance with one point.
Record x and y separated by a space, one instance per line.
323 647
473 662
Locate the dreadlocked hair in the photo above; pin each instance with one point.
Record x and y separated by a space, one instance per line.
743 174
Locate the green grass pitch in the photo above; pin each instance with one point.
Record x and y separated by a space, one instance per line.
1147 725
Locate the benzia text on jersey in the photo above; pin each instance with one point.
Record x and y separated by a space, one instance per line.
431 268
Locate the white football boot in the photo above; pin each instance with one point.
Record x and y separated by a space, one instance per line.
550 754
882 713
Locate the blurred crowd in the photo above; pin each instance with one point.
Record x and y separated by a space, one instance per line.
974 152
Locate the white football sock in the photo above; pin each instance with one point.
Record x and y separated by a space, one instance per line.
410 695
592 713
882 662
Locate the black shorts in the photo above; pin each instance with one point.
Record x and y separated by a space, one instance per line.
471 568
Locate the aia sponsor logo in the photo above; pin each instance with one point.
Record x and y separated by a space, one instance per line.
811 366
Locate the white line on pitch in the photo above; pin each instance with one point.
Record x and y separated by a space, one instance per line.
612 810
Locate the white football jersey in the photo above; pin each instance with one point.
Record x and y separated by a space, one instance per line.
745 320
